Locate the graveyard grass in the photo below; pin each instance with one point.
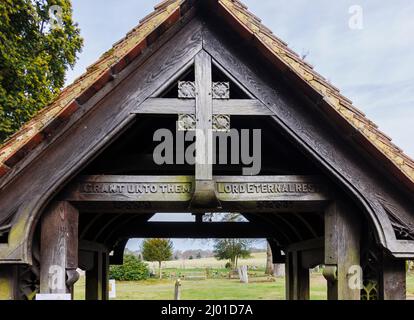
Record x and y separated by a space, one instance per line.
259 287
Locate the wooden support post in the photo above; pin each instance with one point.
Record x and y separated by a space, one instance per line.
297 277
392 279
342 250
204 116
105 276
97 278
94 279
59 249
8 280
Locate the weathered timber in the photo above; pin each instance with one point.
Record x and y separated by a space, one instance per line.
305 129
342 250
317 243
393 278
59 248
131 188
232 107
166 106
179 188
271 188
89 135
204 117
8 282
94 287
204 230
96 258
297 277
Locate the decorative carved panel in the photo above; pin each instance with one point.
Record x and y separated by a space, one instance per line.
371 264
186 122
186 90
221 90
221 122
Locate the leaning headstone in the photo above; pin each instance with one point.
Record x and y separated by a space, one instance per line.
243 274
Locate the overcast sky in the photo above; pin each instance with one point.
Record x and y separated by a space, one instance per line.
373 66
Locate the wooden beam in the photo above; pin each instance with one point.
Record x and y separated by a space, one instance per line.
342 250
131 188
317 243
202 230
232 107
393 278
59 248
271 188
83 138
166 106
229 189
241 107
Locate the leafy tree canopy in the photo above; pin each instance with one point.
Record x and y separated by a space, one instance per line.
36 49
232 249
157 250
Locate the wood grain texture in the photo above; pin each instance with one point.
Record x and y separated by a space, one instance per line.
232 107
58 247
312 133
393 278
91 134
297 277
342 248
204 117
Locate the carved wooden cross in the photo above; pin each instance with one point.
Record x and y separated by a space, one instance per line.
203 90
204 194
204 106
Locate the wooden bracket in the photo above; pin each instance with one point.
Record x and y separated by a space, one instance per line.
330 273
204 195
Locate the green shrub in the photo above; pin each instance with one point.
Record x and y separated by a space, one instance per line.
133 269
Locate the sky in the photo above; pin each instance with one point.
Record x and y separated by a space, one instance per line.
365 48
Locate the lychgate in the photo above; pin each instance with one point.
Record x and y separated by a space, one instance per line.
82 177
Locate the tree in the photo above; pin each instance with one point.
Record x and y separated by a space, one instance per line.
36 49
133 269
232 250
157 250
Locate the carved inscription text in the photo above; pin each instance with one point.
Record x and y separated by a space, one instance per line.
268 188
135 188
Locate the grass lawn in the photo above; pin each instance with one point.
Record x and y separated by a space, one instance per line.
219 287
212 289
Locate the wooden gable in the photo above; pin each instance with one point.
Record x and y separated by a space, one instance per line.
93 112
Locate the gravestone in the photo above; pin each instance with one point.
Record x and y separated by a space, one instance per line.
243 274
